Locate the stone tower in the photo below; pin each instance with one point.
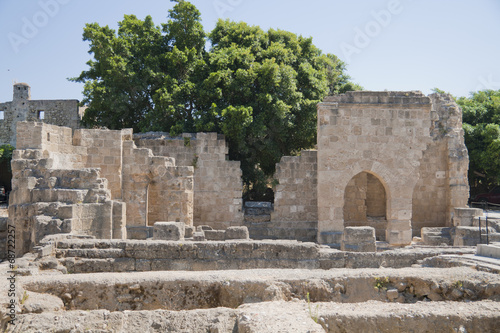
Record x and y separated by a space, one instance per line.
22 91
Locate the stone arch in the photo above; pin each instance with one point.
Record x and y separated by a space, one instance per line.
365 202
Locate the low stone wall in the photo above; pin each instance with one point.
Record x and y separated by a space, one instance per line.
90 256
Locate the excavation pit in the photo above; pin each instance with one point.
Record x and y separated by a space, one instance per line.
211 289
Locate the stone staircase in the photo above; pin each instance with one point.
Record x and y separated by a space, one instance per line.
259 222
49 201
59 196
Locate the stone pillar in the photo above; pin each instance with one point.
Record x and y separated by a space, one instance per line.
398 232
119 220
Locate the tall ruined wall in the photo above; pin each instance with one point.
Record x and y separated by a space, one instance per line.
154 188
104 151
295 197
54 141
443 182
22 108
217 181
381 133
53 193
64 183
412 144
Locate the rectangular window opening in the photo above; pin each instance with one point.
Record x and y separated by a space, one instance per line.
2 115
41 115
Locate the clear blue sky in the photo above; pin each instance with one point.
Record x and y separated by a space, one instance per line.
388 44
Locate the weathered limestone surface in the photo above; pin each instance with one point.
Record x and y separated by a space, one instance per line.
359 239
236 233
365 204
217 181
23 108
168 231
95 182
443 183
277 316
464 217
295 197
202 290
398 138
90 256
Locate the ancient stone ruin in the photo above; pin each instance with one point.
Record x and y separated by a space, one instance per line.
123 232
22 108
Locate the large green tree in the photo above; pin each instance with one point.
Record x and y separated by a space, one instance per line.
258 88
481 122
141 75
264 88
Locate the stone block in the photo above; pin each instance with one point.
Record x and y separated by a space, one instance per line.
436 236
215 235
359 239
203 228
331 238
237 233
492 250
199 236
172 231
188 231
469 236
139 232
398 232
464 217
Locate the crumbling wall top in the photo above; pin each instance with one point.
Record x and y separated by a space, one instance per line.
379 97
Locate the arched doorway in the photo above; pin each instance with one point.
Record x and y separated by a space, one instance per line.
365 203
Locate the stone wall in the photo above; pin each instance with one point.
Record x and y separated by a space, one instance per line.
365 203
154 189
52 192
443 183
411 143
95 183
295 197
217 181
22 108
104 151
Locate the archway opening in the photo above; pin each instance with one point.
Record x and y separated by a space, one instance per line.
365 203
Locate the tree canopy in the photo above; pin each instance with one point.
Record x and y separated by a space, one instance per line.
481 123
258 88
